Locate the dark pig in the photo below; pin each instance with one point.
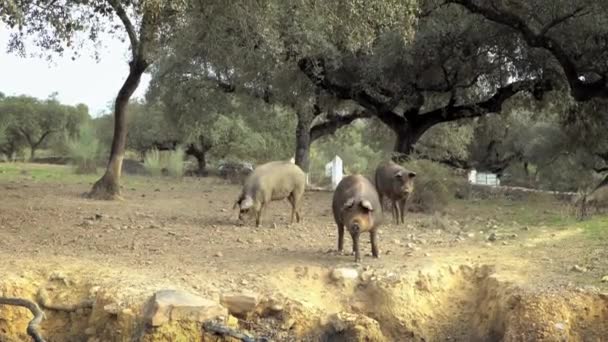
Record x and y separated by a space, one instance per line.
356 206
397 183
273 181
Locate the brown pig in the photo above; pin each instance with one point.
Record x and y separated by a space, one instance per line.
397 183
356 206
598 199
273 181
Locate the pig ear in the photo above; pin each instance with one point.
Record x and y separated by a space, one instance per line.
412 174
349 203
399 174
247 202
367 205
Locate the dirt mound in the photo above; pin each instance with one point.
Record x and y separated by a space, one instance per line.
318 304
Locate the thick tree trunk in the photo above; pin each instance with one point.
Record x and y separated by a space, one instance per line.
407 135
108 186
302 157
201 158
32 152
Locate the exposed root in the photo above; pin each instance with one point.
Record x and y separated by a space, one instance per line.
106 189
43 300
224 331
32 327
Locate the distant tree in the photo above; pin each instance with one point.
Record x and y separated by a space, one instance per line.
57 28
32 122
254 50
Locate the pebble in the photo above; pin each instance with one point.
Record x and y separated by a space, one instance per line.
492 237
219 254
605 279
577 268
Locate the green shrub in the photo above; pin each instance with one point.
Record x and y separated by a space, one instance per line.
170 163
152 162
175 162
435 185
83 150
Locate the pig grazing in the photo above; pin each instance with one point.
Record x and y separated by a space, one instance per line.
598 199
272 181
397 183
356 206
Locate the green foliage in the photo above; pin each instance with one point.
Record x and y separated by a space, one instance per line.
83 150
153 163
159 163
435 185
33 123
448 142
349 144
175 162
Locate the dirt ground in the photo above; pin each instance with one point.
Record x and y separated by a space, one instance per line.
184 234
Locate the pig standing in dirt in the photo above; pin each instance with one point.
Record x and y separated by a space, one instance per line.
598 199
356 206
397 183
272 181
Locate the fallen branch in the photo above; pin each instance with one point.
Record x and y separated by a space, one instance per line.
43 300
32 327
222 330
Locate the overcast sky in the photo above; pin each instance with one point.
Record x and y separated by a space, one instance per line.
80 81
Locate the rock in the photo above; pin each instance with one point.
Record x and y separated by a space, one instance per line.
90 331
353 327
175 305
471 235
240 304
577 268
492 237
112 309
343 273
219 254
605 279
513 236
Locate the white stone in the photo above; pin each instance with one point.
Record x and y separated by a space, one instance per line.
343 273
175 305
241 303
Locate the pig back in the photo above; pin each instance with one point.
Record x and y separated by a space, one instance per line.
276 180
360 188
385 174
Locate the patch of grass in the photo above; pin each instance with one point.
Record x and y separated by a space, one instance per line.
84 150
175 162
152 162
595 228
56 174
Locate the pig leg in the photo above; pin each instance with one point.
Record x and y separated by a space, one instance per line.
395 211
340 237
402 208
292 200
258 215
355 237
373 236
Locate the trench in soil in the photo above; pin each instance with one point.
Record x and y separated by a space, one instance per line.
444 304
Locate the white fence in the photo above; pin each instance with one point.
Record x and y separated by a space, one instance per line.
483 178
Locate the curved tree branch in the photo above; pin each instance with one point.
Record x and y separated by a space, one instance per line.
581 90
336 122
124 18
32 327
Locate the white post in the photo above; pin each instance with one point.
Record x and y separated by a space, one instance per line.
336 172
472 176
